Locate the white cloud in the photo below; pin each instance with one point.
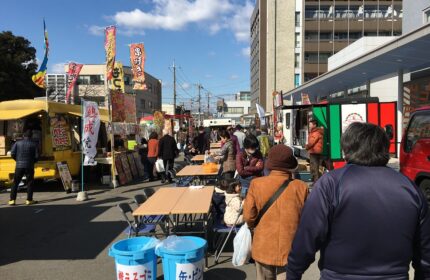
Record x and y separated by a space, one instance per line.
186 86
173 15
234 77
209 76
246 51
240 24
57 68
96 30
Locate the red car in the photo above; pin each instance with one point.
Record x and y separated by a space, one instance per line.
415 150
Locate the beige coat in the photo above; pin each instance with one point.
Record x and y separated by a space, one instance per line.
274 234
232 210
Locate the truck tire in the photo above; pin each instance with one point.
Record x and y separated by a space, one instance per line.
425 187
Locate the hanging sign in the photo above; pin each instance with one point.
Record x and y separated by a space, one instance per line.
72 77
60 133
91 120
117 82
137 57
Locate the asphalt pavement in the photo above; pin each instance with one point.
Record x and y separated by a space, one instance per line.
61 238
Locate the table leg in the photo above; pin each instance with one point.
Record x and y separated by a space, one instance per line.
206 238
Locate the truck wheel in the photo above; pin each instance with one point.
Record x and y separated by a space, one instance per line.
425 187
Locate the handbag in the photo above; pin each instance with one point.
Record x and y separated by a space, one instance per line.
271 201
159 166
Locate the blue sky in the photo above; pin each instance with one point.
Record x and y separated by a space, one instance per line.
208 39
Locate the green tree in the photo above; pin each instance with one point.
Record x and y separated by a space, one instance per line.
17 65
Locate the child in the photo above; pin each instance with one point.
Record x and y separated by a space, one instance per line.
233 202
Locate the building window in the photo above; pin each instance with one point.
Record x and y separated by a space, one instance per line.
97 80
91 80
427 16
297 60
233 110
150 104
297 40
83 80
142 103
127 80
297 80
297 19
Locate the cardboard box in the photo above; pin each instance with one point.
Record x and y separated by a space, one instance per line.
3 151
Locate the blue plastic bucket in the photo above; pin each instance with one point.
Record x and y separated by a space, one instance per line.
131 261
184 262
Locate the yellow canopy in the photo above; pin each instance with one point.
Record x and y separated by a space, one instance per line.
16 109
16 114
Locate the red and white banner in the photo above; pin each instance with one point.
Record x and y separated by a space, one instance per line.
72 77
91 117
110 48
137 57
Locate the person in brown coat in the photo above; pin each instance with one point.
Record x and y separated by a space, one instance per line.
275 232
315 148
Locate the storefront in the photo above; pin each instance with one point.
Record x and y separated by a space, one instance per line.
56 128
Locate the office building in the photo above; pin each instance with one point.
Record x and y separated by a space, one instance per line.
90 85
291 41
56 87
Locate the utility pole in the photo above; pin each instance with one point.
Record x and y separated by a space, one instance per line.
209 96
200 111
174 88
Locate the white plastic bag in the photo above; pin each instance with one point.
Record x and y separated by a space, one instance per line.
159 166
242 246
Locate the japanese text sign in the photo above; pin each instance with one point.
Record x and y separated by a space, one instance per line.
91 126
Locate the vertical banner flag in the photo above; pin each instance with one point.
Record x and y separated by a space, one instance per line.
261 114
91 119
137 57
305 99
39 77
117 81
110 48
72 77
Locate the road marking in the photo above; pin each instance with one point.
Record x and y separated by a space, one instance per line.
37 211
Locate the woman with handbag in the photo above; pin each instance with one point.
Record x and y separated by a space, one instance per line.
272 208
152 154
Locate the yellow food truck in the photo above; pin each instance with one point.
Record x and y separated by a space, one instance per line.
56 128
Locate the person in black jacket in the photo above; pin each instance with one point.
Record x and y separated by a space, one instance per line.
202 142
368 220
167 151
25 153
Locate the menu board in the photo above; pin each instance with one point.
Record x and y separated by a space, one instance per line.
126 167
66 177
133 166
140 167
60 133
120 171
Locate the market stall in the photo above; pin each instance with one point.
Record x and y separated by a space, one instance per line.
56 128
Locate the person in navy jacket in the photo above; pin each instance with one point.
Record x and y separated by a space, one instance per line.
367 220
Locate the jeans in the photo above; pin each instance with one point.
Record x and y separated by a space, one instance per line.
151 163
245 182
19 173
315 161
168 165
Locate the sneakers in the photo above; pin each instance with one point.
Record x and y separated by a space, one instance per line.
11 202
30 202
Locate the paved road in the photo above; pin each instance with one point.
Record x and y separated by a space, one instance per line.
61 238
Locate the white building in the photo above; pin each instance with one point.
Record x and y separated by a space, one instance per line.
236 109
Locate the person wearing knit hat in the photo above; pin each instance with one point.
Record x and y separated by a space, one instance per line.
281 219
